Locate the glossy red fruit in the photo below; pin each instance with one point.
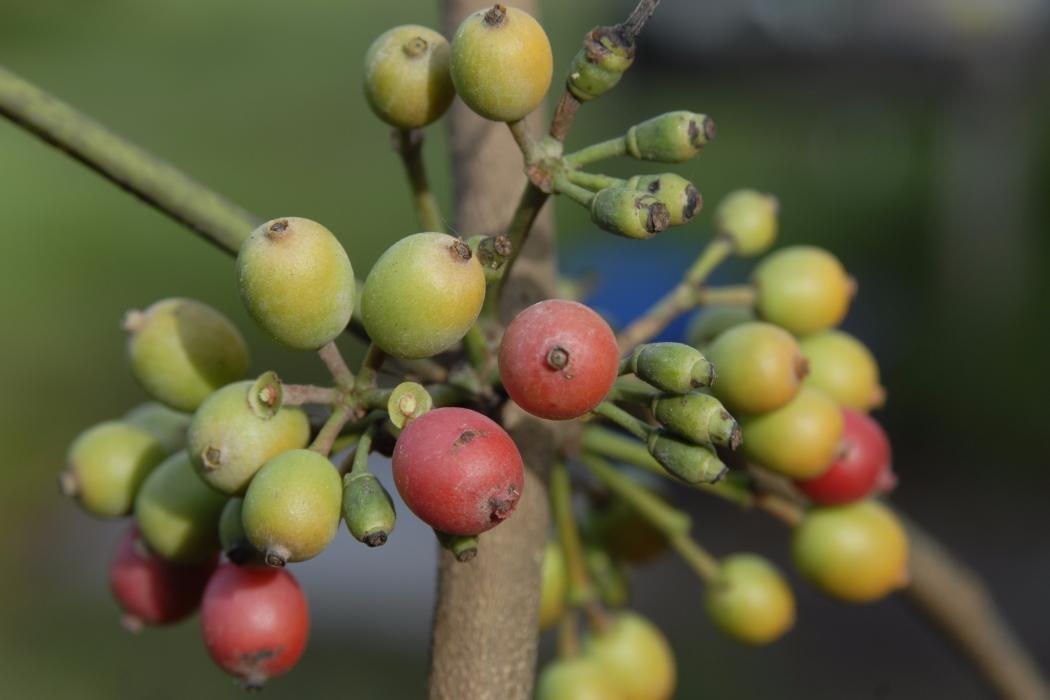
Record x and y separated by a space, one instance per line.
151 590
860 469
255 622
458 471
558 359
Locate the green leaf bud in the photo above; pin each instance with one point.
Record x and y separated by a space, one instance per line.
606 54
693 464
673 367
674 137
367 509
629 213
680 196
699 418
749 219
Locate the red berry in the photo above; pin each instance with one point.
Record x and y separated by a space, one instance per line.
255 622
862 466
458 471
151 590
558 359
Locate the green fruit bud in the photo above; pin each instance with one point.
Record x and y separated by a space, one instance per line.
463 547
367 509
672 367
803 289
555 585
634 654
407 81
292 507
234 542
749 219
408 401
168 426
693 464
606 55
749 600
844 369
296 281
182 350
177 513
629 213
699 418
106 466
229 441
575 678
670 138
799 439
422 295
760 367
715 319
611 578
680 196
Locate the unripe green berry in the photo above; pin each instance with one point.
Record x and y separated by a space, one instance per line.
177 513
635 655
576 678
803 289
680 196
107 464
501 63
857 552
367 509
606 54
760 367
713 320
629 213
844 369
799 439
749 600
673 367
168 426
555 585
673 137
693 464
181 350
407 79
292 507
296 281
233 540
229 441
748 219
422 295
699 418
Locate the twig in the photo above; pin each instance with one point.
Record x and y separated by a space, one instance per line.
300 394
632 26
564 114
331 429
409 145
333 360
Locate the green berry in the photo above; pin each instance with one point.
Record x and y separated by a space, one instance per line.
693 464
713 320
799 439
680 196
234 542
367 509
501 63
673 367
749 219
177 513
699 418
576 678
606 55
292 507
229 441
760 367
844 369
181 350
749 600
634 654
407 79
106 466
422 295
168 426
612 577
629 213
673 137
297 282
555 585
803 289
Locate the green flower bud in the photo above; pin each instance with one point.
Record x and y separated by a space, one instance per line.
698 418
407 401
234 542
670 138
106 466
713 320
597 68
629 213
182 350
680 196
749 219
693 464
168 426
367 509
177 513
463 547
672 367
610 577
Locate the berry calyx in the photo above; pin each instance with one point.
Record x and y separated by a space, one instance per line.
558 359
407 80
458 471
106 466
748 219
606 55
254 621
799 439
844 369
760 367
803 289
629 213
634 654
749 600
699 418
863 459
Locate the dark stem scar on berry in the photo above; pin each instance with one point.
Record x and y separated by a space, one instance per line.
707 128
253 677
465 555
501 507
558 358
68 484
276 557
277 230
468 436
414 47
502 245
460 251
376 539
801 367
496 15
693 202
132 623
703 374
658 217
212 457
736 436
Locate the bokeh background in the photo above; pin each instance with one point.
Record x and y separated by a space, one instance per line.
910 137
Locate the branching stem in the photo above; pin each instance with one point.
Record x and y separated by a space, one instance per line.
580 195
593 181
301 394
333 360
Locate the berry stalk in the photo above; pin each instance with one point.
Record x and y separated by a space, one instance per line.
409 145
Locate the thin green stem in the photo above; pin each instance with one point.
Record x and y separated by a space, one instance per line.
668 520
529 206
409 144
333 360
369 372
330 430
741 294
580 590
522 137
364 446
632 391
639 428
598 151
301 394
478 352
593 181
580 195
699 559
716 250
374 398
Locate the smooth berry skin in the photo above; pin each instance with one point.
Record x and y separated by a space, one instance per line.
458 471
856 472
804 289
575 678
107 465
799 440
843 368
759 367
750 600
636 656
558 359
407 81
255 622
150 590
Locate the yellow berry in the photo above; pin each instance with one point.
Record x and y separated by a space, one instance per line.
803 289
749 219
636 656
407 79
107 464
758 367
799 439
843 368
750 601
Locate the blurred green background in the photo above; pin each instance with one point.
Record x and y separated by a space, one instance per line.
915 145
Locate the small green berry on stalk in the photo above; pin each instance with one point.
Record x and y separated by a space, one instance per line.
606 55
682 199
167 425
749 219
296 280
713 320
803 289
463 547
693 464
575 678
629 213
635 655
181 351
699 418
760 367
492 252
673 367
367 509
673 137
750 600
292 507
107 465
407 81
177 513
229 440
234 541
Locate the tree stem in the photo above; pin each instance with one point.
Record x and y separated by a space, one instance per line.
409 145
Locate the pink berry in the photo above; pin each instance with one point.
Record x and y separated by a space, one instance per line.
862 467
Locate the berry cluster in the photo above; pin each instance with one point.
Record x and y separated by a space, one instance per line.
765 406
